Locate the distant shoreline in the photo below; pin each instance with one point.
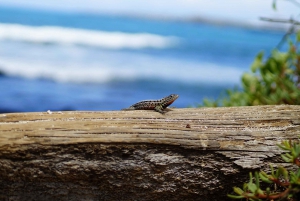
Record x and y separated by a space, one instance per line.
257 25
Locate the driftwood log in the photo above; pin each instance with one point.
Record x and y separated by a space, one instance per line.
185 154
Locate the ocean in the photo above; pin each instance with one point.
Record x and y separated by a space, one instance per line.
78 61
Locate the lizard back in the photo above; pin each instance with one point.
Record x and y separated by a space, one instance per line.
151 104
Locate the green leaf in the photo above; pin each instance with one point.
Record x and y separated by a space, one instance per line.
257 180
297 150
298 36
285 158
245 187
259 191
298 173
235 196
264 177
283 172
252 187
285 145
277 174
238 191
274 5
257 62
294 178
272 171
268 191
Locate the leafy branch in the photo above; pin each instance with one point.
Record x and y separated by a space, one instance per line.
289 182
272 81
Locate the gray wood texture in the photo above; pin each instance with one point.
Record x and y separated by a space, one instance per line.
185 154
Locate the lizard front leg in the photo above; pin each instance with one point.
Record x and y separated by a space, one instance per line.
159 108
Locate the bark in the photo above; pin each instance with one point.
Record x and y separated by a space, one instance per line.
185 154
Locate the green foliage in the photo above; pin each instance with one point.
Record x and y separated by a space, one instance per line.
288 182
273 81
274 5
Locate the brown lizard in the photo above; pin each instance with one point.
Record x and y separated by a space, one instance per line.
157 105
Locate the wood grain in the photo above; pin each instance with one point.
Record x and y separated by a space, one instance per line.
235 128
225 141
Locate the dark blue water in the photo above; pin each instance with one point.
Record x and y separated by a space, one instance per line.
76 61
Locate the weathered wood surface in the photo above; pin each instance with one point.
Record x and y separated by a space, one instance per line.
186 154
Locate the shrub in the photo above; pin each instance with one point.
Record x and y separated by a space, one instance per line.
285 185
273 81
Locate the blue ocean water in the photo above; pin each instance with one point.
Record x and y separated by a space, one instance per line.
77 61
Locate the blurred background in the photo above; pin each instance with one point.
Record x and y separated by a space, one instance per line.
107 55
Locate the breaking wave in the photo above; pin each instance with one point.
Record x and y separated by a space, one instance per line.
93 38
175 70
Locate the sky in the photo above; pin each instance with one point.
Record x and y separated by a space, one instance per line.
246 11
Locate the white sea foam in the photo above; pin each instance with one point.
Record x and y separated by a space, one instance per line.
72 36
143 68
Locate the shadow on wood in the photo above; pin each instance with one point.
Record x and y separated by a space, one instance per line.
185 154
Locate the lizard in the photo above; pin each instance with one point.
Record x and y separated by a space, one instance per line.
157 105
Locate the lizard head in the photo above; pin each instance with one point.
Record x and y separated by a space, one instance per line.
169 99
